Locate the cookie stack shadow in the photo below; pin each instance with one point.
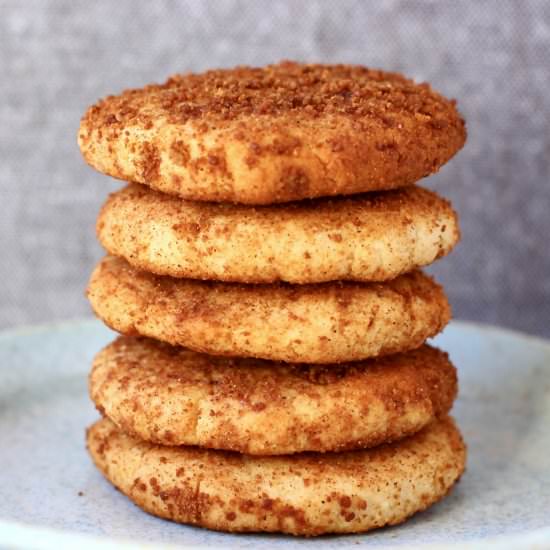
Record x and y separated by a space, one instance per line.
263 270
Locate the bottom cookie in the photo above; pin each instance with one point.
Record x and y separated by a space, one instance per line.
306 494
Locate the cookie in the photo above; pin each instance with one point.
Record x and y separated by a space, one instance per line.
322 323
372 237
174 396
306 494
274 134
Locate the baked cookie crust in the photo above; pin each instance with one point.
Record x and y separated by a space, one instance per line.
306 494
322 323
371 237
273 134
174 396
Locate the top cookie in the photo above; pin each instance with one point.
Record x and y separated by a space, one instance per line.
273 134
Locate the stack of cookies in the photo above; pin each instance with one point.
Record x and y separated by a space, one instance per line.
263 271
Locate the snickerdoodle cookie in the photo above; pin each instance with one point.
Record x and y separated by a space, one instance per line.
274 134
372 237
305 494
320 323
174 396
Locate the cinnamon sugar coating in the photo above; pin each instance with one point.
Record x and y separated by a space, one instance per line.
322 323
274 134
306 494
371 237
174 396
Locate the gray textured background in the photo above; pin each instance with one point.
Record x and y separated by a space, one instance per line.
58 57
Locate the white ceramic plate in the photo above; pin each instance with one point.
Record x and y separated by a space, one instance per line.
52 497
